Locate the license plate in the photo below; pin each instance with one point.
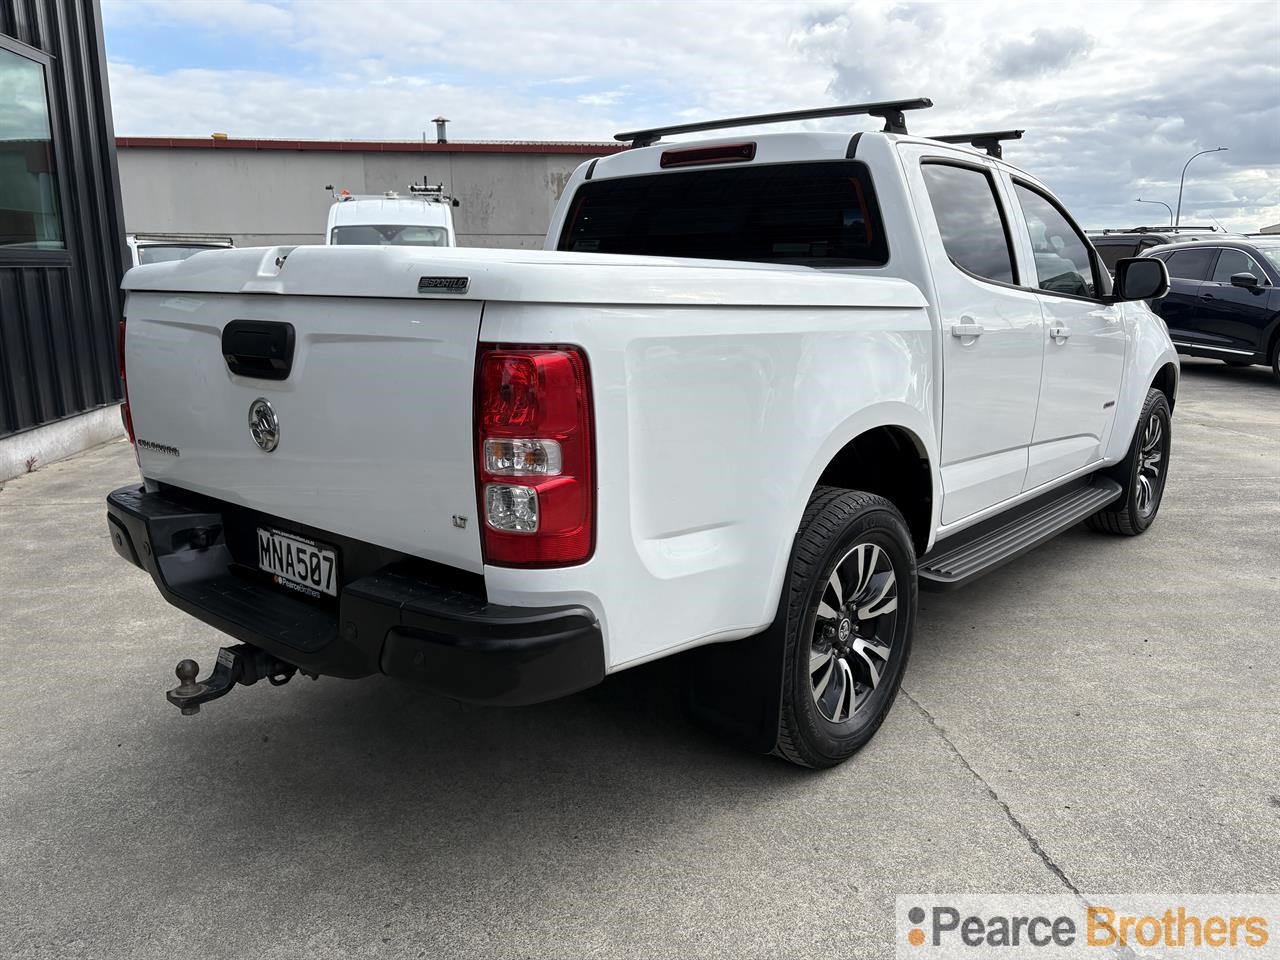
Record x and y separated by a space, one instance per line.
300 565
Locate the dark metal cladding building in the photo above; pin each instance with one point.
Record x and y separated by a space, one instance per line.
61 224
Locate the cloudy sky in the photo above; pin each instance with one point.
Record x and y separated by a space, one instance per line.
1114 96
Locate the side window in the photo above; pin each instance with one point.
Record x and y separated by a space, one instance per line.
1191 264
970 220
1112 251
29 216
1232 261
1063 264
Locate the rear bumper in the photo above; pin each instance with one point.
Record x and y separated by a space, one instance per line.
392 621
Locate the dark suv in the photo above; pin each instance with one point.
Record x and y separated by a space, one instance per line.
1224 299
1113 245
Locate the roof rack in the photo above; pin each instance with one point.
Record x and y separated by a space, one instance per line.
1181 228
988 140
431 192
891 111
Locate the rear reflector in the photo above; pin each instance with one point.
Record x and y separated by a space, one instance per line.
535 455
693 156
126 416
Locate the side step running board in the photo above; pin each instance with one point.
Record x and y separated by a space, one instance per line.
952 564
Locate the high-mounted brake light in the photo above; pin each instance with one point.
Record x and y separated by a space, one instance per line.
125 415
535 453
694 156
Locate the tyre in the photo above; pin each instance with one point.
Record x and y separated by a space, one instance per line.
850 606
1141 474
1275 359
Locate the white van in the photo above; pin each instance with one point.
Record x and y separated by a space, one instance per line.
422 219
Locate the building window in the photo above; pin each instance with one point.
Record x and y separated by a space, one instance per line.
29 216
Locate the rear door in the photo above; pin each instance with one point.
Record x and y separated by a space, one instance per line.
1180 307
1084 339
1235 318
991 331
374 415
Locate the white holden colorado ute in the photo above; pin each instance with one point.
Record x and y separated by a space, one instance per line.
756 392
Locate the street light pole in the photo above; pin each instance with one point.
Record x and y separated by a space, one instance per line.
1178 219
1162 203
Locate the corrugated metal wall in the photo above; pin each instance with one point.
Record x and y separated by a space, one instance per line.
59 310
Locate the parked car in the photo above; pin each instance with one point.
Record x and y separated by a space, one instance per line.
1113 245
424 218
164 247
755 393
1224 299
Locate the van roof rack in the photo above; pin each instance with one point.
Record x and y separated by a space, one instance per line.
891 111
988 140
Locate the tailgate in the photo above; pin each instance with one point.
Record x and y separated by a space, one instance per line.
375 428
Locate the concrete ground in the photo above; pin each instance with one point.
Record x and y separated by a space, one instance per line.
1102 714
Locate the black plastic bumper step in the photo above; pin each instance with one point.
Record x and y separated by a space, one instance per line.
951 564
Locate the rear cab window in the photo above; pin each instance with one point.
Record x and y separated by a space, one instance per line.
821 214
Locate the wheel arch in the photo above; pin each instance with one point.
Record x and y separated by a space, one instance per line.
893 461
1270 339
1166 381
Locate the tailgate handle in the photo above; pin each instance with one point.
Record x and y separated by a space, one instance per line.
258 348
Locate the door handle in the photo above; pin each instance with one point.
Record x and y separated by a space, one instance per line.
1059 333
1207 296
966 328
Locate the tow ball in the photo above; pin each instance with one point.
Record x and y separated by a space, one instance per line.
239 664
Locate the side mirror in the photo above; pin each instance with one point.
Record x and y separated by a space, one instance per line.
1243 280
1141 278
457 202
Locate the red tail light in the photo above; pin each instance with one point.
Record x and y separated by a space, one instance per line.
535 455
125 415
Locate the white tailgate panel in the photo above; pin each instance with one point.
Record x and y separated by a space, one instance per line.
375 417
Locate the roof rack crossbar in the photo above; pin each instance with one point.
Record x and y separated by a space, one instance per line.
891 111
988 140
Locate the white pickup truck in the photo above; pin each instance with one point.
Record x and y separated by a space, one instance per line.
755 392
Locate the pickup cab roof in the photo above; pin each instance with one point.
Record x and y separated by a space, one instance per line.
773 148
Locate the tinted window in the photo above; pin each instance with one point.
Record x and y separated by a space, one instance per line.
816 214
391 235
28 178
969 218
1190 264
1112 250
1063 264
1232 261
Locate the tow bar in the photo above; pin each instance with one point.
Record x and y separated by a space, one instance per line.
239 664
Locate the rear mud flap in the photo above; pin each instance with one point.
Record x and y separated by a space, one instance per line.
735 689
